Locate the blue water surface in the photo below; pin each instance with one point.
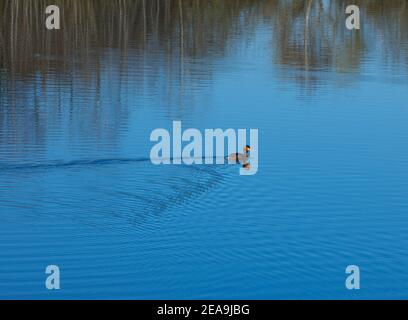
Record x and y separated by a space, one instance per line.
78 189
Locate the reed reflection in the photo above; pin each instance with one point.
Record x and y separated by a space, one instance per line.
170 48
308 34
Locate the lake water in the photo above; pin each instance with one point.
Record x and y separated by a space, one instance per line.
77 188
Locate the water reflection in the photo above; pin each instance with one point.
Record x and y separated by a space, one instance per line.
308 34
112 51
83 72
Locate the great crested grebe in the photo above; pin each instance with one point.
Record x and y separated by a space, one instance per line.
240 157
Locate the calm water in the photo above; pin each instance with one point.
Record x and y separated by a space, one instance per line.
77 107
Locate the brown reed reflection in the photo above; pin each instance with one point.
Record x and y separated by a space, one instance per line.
177 41
307 34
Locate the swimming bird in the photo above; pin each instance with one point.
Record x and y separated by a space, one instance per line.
240 157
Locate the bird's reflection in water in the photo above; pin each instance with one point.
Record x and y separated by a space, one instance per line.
241 158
